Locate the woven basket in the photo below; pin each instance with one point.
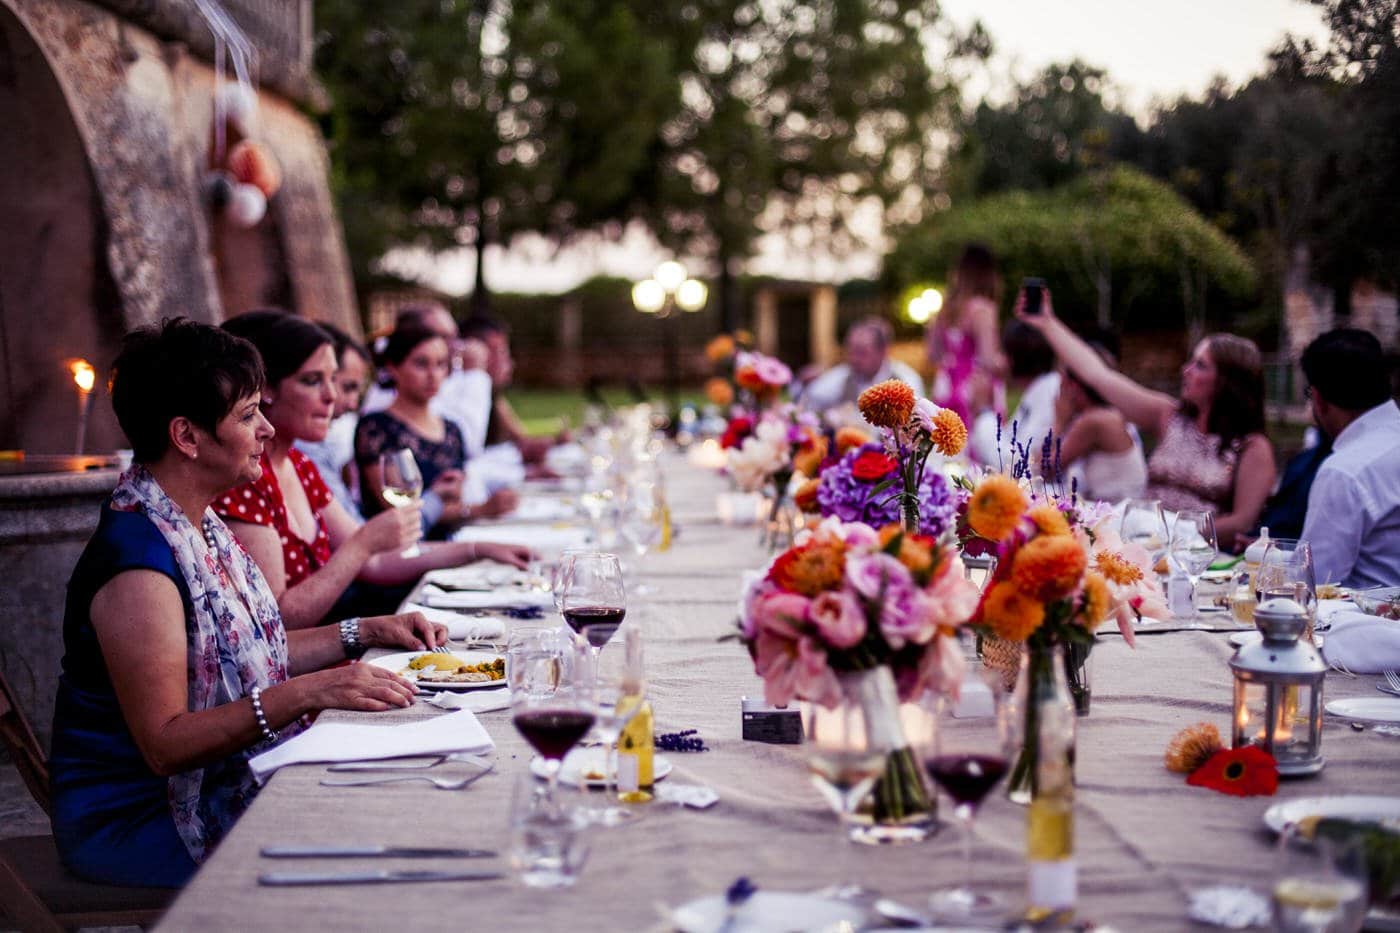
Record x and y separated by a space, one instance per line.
1004 657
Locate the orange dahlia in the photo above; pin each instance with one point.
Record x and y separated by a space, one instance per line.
1117 568
748 378
811 568
806 496
1049 567
1097 601
720 349
1049 519
949 434
915 551
719 392
1011 614
809 457
1192 747
996 507
887 404
848 438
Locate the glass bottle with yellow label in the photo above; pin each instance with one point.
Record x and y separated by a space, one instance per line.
635 749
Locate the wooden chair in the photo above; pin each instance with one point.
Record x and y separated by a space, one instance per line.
37 893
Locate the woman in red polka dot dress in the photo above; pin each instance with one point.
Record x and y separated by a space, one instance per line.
306 544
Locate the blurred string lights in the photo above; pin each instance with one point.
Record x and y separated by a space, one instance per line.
924 305
669 286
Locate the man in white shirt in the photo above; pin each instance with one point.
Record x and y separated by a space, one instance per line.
867 362
1353 520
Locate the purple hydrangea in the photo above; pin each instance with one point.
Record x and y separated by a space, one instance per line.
852 500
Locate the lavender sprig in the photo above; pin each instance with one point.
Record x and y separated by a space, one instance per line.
687 740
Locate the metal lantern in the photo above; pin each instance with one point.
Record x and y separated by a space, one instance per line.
1278 690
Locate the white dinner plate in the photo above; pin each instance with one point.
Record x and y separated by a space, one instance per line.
592 761
1253 637
1366 709
766 912
398 663
1366 808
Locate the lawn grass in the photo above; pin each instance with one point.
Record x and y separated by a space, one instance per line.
545 411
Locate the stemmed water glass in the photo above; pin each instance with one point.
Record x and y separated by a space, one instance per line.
968 757
1146 526
594 597
551 695
617 696
401 482
1286 570
1193 547
842 760
639 521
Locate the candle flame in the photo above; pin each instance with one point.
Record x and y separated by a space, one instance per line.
83 374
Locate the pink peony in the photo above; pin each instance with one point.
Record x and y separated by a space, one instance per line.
839 619
950 598
794 668
924 410
941 668
773 372
780 612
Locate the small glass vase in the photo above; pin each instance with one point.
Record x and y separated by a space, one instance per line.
900 809
1042 707
783 522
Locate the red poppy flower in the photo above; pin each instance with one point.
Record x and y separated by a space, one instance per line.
1241 772
736 431
873 465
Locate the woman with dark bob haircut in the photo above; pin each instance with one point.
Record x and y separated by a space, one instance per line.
177 668
308 546
1212 452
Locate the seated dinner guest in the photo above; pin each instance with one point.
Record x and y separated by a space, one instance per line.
867 348
415 359
1211 451
1032 372
505 429
177 669
336 453
1353 518
1097 448
307 545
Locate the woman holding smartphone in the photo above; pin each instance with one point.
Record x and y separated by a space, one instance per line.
1212 452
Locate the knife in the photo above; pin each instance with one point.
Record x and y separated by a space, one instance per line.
398 764
290 878
372 851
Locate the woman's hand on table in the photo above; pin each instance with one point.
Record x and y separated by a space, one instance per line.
501 502
448 485
393 529
356 687
406 630
516 555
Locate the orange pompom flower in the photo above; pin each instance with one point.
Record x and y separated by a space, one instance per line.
850 438
1239 772
948 433
1049 567
1048 519
1097 601
887 404
719 392
916 552
806 496
810 568
1011 614
996 507
720 348
1117 568
1192 747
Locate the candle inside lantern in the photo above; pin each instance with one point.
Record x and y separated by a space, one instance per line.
84 377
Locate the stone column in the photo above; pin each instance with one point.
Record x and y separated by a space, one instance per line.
825 347
765 313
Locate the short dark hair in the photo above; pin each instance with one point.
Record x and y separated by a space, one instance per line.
1027 351
1347 368
482 324
881 328
418 313
399 344
284 340
179 369
344 344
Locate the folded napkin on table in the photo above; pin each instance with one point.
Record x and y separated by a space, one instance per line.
1362 644
481 574
460 627
478 701
343 741
547 538
508 598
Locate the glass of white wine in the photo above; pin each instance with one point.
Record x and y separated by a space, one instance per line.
1319 887
841 758
1193 547
401 482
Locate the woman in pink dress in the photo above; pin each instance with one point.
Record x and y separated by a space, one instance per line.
1212 452
963 343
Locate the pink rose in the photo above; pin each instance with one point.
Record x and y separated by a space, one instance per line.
780 612
794 668
941 668
950 598
839 619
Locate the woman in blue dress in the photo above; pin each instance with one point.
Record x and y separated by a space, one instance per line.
177 668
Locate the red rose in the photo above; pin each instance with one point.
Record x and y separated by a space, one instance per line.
873 465
737 430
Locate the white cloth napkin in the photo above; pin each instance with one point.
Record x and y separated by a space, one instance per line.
486 574
508 598
343 741
1362 644
478 701
460 627
544 538
542 509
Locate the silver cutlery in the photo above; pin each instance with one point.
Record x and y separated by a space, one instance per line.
394 764
1390 690
289 878
1392 679
372 852
439 783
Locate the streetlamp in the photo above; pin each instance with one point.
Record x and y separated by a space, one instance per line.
925 305
670 287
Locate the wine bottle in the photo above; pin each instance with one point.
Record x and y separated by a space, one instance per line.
1052 875
635 743
663 519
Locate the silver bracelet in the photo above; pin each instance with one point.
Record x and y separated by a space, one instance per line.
350 638
269 734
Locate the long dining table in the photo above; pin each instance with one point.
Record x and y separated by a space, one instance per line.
1144 839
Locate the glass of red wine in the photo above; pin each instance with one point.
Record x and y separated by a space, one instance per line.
969 756
551 696
594 600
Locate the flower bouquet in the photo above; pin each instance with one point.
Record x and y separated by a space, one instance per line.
912 428
852 615
782 440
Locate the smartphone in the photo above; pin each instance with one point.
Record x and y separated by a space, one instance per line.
1034 289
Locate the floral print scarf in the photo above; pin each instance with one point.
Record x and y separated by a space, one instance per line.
235 642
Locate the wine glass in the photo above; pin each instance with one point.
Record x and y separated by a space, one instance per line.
1286 570
842 760
1320 887
402 483
551 695
970 754
617 694
594 600
639 522
1193 546
1146 526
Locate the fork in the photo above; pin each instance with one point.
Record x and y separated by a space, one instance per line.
439 783
1392 678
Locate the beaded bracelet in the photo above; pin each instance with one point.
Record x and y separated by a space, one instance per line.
350 638
269 734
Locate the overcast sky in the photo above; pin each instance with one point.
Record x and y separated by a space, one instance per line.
1153 52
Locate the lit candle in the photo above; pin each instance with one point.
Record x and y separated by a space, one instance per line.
84 377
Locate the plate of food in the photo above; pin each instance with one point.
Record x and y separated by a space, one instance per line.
588 765
1383 601
447 670
1306 812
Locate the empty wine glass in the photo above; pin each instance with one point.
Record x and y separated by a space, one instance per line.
1193 546
401 483
551 695
970 754
639 523
594 599
1146 526
842 760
